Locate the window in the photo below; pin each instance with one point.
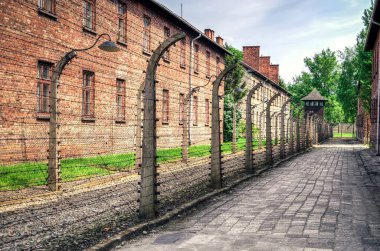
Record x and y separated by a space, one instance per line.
321 103
89 14
181 108
43 87
311 103
217 65
88 94
146 35
307 103
165 107
196 58
183 53
373 114
47 5
120 100
208 61
122 22
207 111
195 110
166 35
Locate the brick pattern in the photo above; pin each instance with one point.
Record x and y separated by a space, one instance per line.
318 201
38 36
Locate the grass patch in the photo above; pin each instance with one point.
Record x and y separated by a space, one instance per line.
344 135
30 174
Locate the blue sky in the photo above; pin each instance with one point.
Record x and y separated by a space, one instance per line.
286 30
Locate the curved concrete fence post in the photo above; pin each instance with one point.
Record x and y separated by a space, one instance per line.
248 130
268 155
216 170
148 192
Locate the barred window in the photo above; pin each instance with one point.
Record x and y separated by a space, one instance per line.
43 87
217 65
166 55
373 113
122 22
195 110
181 108
47 5
208 62
183 53
88 94
196 58
165 106
120 99
89 14
146 35
207 111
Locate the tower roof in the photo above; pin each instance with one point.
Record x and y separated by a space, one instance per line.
314 95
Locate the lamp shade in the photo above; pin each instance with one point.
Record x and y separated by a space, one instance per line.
109 46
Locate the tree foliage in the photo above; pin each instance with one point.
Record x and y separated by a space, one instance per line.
337 75
234 90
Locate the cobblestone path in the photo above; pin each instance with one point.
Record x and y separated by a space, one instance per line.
326 199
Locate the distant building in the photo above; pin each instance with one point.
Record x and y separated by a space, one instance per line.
373 44
314 103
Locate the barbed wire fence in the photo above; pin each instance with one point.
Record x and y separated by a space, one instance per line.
104 172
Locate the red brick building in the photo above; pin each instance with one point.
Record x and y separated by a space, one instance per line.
373 44
97 95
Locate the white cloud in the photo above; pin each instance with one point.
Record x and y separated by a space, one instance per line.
286 30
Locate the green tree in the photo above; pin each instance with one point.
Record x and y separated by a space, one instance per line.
234 91
323 74
363 61
347 84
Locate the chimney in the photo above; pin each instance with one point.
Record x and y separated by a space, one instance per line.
210 34
220 41
264 66
273 73
251 55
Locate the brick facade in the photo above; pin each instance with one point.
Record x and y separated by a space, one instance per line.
32 36
251 56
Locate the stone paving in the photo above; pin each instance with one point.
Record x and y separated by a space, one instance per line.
326 199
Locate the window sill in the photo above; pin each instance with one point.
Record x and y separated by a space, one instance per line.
120 121
47 14
88 119
88 30
43 116
122 43
147 53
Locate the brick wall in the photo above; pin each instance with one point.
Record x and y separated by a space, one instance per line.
29 37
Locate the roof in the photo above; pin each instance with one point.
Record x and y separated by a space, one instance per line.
313 96
182 23
373 28
265 78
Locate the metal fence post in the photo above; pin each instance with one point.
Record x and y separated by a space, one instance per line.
148 193
268 154
248 129
216 170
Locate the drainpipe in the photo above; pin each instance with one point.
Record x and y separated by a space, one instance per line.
190 84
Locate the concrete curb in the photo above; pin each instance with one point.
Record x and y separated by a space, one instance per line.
131 232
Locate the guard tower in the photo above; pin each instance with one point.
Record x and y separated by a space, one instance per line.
314 103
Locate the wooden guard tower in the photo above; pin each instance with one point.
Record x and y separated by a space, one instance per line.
314 103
